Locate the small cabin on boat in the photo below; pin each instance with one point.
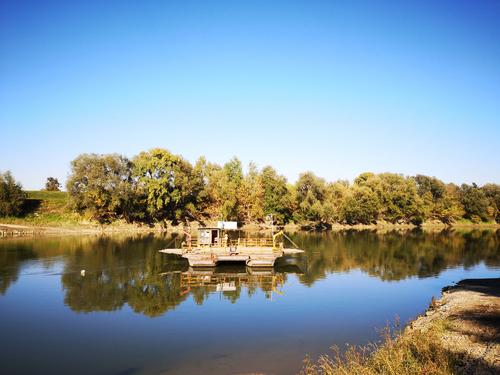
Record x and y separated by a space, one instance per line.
214 236
208 236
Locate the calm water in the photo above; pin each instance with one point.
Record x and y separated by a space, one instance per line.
137 311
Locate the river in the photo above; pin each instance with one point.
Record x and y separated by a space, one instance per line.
115 305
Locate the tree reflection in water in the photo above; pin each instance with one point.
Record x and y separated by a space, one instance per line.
129 270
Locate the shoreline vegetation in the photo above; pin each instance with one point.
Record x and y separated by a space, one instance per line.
158 190
49 212
458 334
16 227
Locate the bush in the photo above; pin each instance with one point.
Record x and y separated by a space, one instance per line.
12 195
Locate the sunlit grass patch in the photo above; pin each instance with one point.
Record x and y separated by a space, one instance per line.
45 208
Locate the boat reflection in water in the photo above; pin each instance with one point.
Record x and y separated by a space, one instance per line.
229 280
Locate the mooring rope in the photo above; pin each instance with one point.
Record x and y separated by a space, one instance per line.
289 239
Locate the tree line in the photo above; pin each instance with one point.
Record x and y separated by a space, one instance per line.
159 186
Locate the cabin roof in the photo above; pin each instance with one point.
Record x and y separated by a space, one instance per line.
216 228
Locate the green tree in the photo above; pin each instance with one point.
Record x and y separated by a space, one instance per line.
475 202
221 190
251 195
277 200
12 196
399 201
230 184
209 202
310 196
449 208
100 186
168 183
361 206
335 195
52 184
492 192
439 201
363 178
432 185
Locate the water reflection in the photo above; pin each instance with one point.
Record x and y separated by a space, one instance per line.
397 255
121 271
228 281
11 259
130 271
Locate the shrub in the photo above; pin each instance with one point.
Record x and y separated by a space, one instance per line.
12 196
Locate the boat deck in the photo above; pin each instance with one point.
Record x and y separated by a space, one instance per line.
251 256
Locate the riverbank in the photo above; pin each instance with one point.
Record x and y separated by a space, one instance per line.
7 229
458 334
48 212
471 310
18 226
384 225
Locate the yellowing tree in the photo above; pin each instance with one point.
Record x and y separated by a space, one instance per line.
250 196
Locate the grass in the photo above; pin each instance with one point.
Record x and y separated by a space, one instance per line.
52 209
49 196
467 222
45 208
405 353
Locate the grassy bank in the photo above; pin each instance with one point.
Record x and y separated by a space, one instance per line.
45 208
50 212
457 335
51 209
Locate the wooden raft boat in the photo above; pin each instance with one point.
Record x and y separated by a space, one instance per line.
213 246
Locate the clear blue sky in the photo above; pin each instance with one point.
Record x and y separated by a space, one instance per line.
336 87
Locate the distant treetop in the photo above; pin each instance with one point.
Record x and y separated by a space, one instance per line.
52 184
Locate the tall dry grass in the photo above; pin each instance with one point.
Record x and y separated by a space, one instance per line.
409 352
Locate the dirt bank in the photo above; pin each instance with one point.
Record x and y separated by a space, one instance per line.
471 312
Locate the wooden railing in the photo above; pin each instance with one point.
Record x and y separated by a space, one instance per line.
252 242
204 280
240 242
14 232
